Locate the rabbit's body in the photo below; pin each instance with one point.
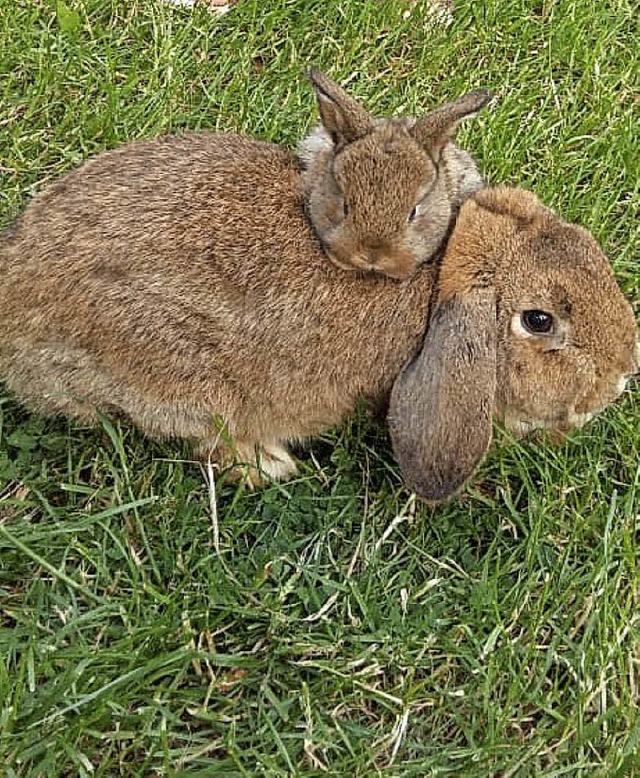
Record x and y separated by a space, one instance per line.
115 294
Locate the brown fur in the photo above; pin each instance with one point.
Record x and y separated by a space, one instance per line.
444 400
155 283
509 254
382 193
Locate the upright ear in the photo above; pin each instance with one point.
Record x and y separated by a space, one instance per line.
343 117
440 414
438 127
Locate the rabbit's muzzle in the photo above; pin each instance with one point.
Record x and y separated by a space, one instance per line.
573 416
393 261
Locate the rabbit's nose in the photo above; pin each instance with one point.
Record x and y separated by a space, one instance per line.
396 262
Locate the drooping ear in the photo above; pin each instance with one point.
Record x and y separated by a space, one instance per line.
343 117
441 408
438 127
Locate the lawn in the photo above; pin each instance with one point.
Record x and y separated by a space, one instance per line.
338 627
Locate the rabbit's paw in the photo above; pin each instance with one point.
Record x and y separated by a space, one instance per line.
253 463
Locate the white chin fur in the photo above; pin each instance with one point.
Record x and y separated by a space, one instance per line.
522 427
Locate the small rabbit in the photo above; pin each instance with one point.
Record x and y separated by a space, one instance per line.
381 193
179 283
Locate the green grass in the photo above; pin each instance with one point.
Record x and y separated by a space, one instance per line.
340 628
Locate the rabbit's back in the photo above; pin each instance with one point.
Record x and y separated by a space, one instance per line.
179 278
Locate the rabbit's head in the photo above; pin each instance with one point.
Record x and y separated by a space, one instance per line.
528 325
381 193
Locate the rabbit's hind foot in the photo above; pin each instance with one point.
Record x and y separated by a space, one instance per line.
253 463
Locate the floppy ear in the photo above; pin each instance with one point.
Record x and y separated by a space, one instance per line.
438 127
441 408
343 117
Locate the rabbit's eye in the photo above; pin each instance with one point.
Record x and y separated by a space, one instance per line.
345 209
537 322
413 214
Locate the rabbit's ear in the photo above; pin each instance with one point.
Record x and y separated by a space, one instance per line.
343 117
441 408
438 127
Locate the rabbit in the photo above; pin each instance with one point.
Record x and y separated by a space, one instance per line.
381 193
527 324
178 206
151 284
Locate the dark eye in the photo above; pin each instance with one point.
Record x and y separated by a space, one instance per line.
537 322
345 209
413 214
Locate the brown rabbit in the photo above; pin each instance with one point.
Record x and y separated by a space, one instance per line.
527 324
152 283
381 193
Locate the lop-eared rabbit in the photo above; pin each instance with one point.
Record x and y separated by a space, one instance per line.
183 283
